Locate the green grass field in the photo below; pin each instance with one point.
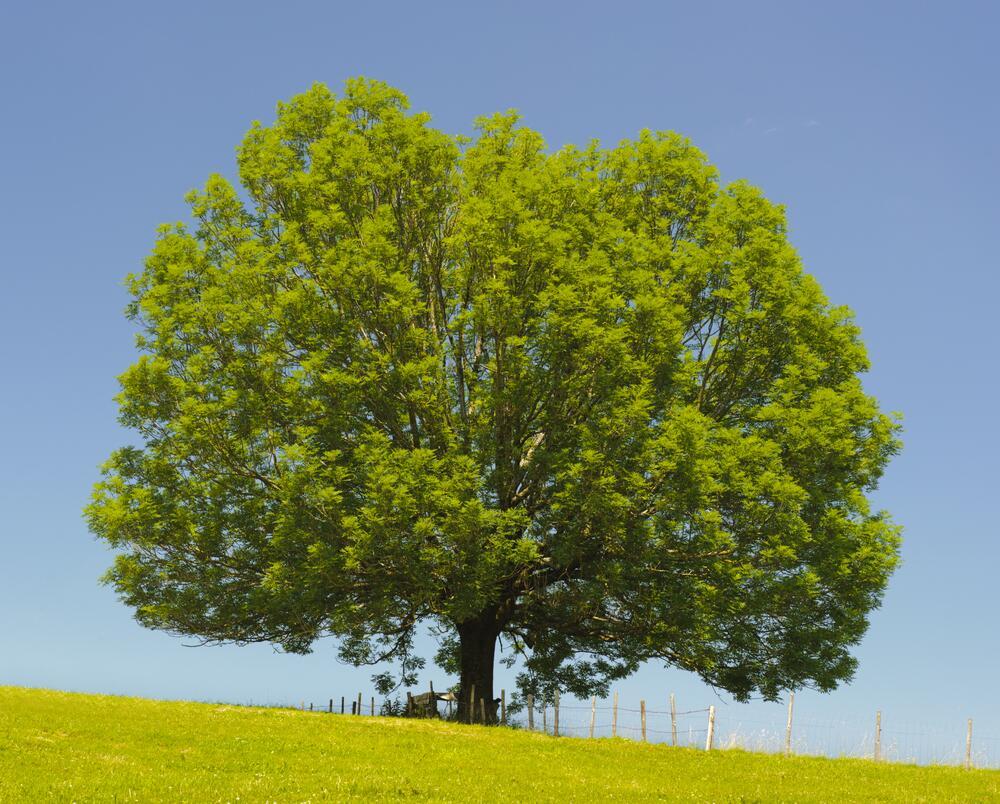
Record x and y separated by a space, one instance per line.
70 747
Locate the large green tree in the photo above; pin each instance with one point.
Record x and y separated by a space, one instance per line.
583 402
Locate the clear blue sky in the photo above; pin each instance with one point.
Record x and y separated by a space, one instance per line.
875 123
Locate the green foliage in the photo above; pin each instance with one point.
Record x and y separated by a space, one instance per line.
64 747
585 400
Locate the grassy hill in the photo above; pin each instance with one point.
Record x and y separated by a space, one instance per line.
71 747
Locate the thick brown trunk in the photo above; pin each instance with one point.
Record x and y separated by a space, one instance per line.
478 639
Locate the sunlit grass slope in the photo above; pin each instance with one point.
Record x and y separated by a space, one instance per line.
72 747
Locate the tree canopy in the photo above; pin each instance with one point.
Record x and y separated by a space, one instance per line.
585 402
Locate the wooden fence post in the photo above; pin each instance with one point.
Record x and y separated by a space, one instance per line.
531 712
593 715
878 735
968 746
555 721
711 728
352 707
642 710
503 706
614 716
673 720
331 706
342 704
409 703
472 704
373 706
482 711
359 703
310 706
788 725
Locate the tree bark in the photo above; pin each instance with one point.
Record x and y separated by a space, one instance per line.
477 640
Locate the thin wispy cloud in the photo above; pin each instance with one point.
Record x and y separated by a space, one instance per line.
751 122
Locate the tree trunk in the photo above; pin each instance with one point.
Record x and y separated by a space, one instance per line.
477 639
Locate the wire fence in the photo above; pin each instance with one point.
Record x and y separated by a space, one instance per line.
709 728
